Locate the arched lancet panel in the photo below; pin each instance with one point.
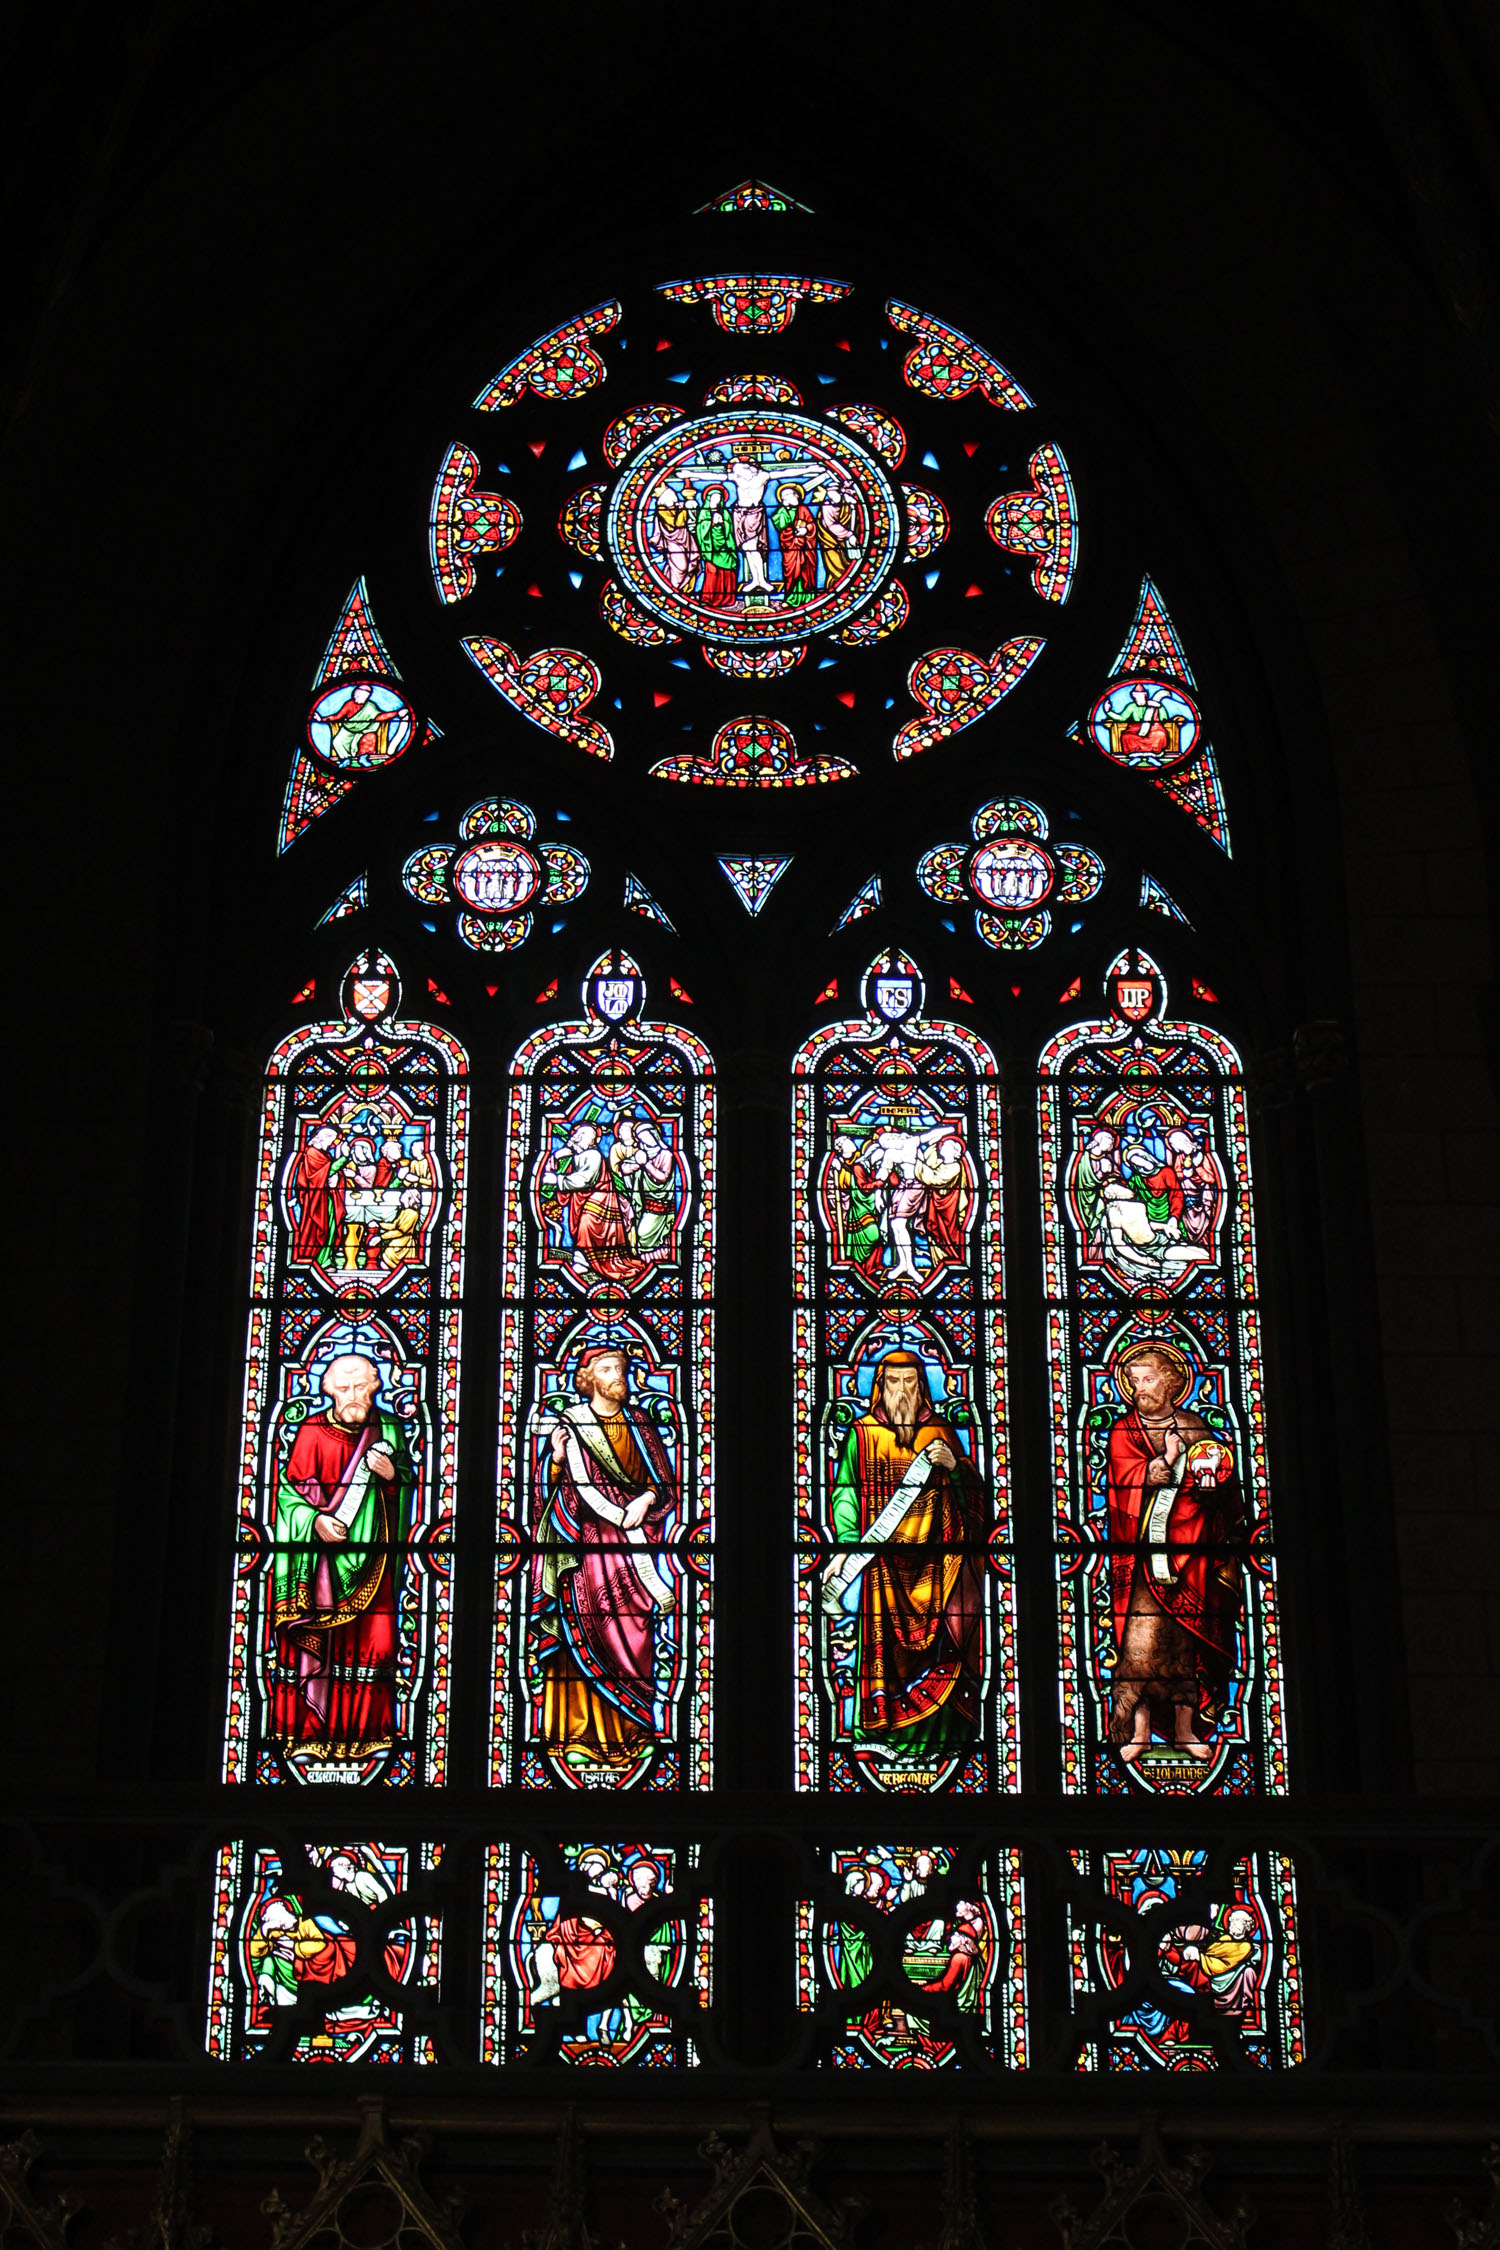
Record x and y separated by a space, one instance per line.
1170 1661
1171 1655
603 1652
340 1636
339 1647
905 1644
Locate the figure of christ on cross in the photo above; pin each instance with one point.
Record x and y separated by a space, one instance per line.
750 480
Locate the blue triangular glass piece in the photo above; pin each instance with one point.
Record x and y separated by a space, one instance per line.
640 901
349 901
754 879
1160 901
864 901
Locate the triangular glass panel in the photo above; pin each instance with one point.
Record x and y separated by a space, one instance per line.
349 901
1152 645
355 645
309 792
1198 790
1160 901
753 195
864 901
640 901
754 879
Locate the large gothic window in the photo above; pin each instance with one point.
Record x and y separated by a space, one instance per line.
779 762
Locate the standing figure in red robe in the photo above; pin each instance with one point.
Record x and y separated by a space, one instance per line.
317 1190
341 1511
941 1171
1176 1590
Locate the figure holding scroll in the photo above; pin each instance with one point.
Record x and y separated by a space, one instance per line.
601 1588
341 1509
905 1606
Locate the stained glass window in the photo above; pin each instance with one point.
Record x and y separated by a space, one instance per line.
905 1638
1217 1975
324 1955
929 1944
603 1660
1170 1666
673 561
596 1954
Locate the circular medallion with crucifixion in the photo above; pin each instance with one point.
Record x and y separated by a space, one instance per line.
753 526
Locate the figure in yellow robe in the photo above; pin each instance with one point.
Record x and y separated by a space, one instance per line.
906 1613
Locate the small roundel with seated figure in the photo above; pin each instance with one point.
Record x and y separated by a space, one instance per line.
360 725
753 525
1145 723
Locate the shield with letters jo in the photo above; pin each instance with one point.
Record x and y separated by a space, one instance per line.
614 997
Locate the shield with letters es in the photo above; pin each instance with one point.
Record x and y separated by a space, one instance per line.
894 996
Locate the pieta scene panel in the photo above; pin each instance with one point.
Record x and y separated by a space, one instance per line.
904 1591
595 1954
327 1960
1170 1672
928 1944
603 1642
1214 1959
339 1645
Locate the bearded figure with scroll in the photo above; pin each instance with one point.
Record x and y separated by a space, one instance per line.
905 1602
601 1591
342 1507
1176 1590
